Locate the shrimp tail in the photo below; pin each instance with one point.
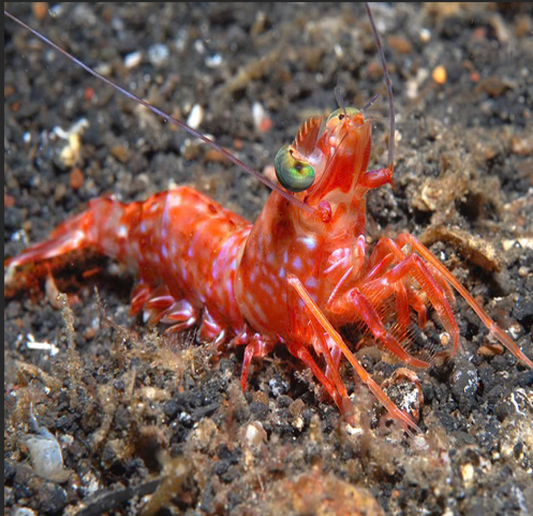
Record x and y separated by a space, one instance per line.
69 236
94 229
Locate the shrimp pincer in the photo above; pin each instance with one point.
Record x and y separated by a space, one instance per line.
297 276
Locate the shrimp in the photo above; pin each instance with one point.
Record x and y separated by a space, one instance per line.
297 276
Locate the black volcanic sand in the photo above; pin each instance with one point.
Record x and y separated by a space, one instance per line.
137 411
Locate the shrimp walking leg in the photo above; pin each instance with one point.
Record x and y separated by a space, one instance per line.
414 267
259 347
422 250
366 311
299 351
376 390
382 259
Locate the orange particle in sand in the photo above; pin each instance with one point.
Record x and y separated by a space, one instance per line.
439 75
39 9
9 201
89 93
265 125
76 179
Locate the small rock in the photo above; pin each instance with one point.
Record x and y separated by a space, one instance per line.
45 453
259 410
400 44
76 179
255 434
158 54
22 511
439 75
52 498
464 383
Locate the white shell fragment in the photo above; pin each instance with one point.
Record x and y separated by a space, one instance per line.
258 115
71 154
196 116
50 347
133 60
45 453
255 434
22 511
158 54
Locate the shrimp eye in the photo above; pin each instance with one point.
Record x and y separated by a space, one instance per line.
293 174
341 113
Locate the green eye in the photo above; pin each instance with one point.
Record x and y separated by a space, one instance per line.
339 113
294 175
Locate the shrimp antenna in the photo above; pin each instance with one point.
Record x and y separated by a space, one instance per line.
339 98
166 117
386 76
368 105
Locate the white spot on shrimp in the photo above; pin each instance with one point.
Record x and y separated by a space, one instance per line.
267 287
143 227
286 256
311 282
164 251
310 243
253 275
256 307
281 272
122 231
297 263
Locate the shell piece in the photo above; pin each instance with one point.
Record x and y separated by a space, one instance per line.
45 453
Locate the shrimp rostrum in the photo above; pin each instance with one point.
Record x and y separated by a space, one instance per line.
297 276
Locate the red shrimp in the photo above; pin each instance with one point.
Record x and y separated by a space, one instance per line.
297 276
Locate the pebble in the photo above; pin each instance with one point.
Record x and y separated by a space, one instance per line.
45 453
76 179
133 60
22 511
213 61
39 10
400 44
523 272
255 434
439 75
53 498
425 35
158 54
196 116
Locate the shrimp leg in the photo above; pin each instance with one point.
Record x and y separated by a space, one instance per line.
404 418
414 266
424 252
